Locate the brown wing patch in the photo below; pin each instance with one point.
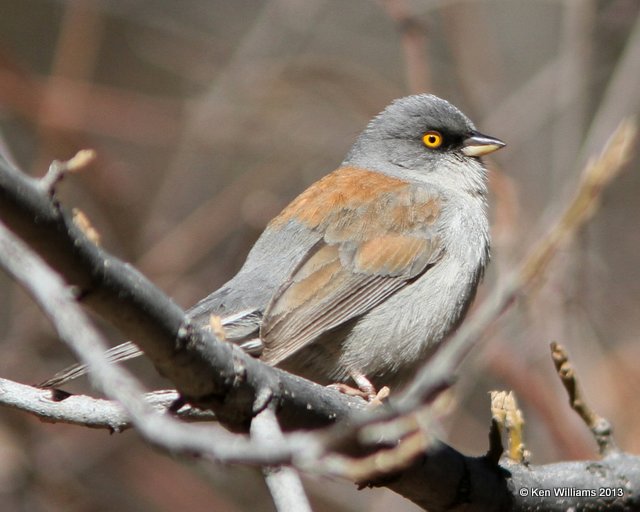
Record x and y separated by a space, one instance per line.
289 325
345 188
390 255
315 275
378 233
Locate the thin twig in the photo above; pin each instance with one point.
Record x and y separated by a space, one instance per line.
399 442
52 406
283 482
414 45
432 481
599 426
57 169
366 471
506 415
439 372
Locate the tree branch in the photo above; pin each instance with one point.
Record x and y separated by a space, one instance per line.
283 482
73 326
598 425
207 373
86 411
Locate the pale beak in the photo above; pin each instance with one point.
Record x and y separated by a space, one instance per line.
477 144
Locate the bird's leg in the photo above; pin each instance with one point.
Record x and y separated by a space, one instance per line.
365 389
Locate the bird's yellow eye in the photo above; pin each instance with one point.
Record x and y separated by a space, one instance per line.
432 139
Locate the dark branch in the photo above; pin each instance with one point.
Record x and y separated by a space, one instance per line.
444 480
209 374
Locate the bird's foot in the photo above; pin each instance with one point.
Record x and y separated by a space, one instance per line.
364 390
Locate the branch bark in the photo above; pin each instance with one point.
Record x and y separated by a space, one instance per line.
86 411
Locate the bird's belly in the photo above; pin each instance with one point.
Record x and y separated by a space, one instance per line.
390 342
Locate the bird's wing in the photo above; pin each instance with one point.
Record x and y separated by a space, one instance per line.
378 234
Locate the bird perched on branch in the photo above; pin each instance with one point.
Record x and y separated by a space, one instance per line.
362 276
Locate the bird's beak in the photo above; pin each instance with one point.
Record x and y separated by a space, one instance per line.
477 144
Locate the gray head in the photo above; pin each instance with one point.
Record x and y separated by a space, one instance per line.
424 134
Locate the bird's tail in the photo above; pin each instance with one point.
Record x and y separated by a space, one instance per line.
122 352
241 328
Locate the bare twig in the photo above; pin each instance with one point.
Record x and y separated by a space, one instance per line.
84 410
433 480
507 365
385 461
506 415
283 482
58 169
300 449
414 45
599 426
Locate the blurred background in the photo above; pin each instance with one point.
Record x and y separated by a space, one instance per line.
208 116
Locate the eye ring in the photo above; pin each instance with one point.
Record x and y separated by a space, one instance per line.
432 139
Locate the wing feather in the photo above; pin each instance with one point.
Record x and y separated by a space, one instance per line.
366 254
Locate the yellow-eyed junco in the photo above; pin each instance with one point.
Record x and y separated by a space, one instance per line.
366 272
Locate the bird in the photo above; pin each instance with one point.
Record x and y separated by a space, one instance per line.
369 270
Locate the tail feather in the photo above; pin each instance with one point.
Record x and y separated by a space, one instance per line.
122 352
241 328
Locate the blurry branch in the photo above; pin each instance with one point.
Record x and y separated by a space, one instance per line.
283 482
86 411
477 58
414 45
620 98
530 102
185 243
407 438
58 169
572 83
75 57
278 28
594 179
150 121
439 371
599 426
78 45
